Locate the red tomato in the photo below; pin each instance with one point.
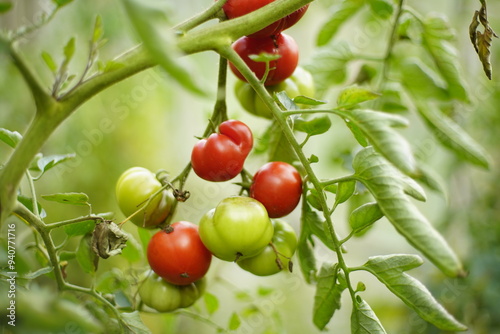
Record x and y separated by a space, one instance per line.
221 156
278 186
179 257
237 8
282 68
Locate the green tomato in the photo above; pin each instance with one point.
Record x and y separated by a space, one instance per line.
162 296
134 187
265 263
300 83
239 227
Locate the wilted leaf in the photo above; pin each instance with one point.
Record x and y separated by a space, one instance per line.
108 239
389 269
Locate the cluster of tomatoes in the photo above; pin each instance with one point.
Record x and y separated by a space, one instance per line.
241 229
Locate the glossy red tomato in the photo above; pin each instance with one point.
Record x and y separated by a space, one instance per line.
237 8
278 186
179 256
221 156
282 68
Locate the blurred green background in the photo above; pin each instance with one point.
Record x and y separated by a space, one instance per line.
149 121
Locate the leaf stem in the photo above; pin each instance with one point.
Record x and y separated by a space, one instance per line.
208 14
392 41
73 221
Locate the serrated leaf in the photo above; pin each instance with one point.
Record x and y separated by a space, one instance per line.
211 302
44 164
421 81
378 127
68 198
389 270
313 126
345 191
435 38
364 320
364 216
5 6
85 256
79 228
133 252
49 61
234 322
452 136
61 3
382 8
11 138
352 96
152 25
387 186
328 66
329 289
340 15
134 323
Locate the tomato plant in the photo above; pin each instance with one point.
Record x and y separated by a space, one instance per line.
237 228
277 70
137 189
301 83
163 296
278 186
178 255
221 156
277 255
237 8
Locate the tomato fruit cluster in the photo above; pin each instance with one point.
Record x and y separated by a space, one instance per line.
221 156
162 296
134 188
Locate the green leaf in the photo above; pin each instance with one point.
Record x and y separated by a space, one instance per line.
69 50
98 29
364 216
5 6
86 258
382 8
352 96
111 281
68 198
11 138
452 136
412 188
329 66
307 101
317 226
134 323
285 101
431 179
79 228
307 259
389 270
329 289
211 302
264 57
234 322
66 255
378 127
345 191
313 126
61 3
35 274
388 185
28 203
279 148
364 320
422 82
152 25
340 15
44 164
133 252
436 36
144 236
357 133
49 61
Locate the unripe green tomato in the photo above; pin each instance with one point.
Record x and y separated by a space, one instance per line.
162 296
133 189
239 227
265 263
300 83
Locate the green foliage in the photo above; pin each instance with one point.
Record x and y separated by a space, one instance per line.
364 320
330 285
11 138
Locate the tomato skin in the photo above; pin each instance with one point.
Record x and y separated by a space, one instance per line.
162 296
237 228
221 156
300 83
282 68
237 8
264 264
133 188
179 257
278 186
